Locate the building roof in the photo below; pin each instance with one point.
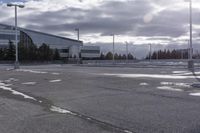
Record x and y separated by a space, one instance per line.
12 27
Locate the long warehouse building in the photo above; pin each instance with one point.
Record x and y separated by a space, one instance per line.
67 47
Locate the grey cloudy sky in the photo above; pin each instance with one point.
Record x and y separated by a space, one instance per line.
161 22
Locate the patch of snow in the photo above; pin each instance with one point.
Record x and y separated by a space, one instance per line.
184 73
11 79
8 69
3 84
60 110
160 76
168 88
55 73
126 131
176 84
4 87
144 84
195 94
29 83
56 80
31 71
178 72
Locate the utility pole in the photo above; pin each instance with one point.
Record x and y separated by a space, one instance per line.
16 66
150 52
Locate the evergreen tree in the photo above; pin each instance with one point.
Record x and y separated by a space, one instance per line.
10 51
56 55
102 56
109 56
2 54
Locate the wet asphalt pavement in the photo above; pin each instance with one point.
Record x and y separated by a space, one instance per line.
100 99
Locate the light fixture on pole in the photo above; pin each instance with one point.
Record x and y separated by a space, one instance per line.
16 36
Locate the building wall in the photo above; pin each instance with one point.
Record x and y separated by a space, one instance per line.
6 35
90 52
63 44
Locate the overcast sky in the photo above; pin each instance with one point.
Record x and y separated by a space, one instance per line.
164 23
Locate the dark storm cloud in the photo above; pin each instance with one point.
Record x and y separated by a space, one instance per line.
118 17
113 17
109 17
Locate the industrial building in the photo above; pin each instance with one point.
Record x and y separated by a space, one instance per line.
90 52
68 48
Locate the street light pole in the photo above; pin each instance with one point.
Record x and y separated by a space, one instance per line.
78 33
16 44
150 52
113 54
191 30
127 52
190 62
16 66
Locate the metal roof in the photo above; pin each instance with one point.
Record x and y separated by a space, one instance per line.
23 29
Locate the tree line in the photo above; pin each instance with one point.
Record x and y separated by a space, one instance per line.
29 52
167 54
109 56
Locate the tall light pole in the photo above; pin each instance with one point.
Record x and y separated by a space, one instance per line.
113 48
190 62
16 36
150 52
78 33
127 52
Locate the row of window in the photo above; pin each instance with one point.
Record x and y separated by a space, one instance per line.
7 37
63 50
90 51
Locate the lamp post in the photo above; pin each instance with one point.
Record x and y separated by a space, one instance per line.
150 52
126 52
78 33
190 62
113 48
16 36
